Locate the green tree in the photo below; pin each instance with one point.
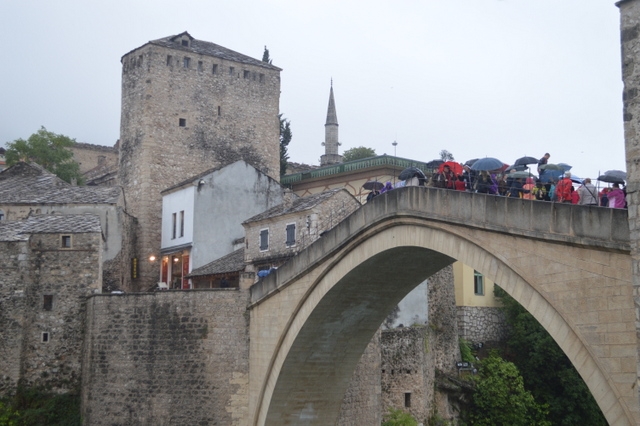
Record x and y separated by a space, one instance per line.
546 370
285 138
446 155
358 153
500 398
48 149
265 56
398 418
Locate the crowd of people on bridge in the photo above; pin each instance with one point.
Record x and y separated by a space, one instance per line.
507 181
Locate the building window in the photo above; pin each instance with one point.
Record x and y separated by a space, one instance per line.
173 226
186 62
231 71
185 43
182 122
219 111
264 240
45 337
65 241
200 66
181 223
2 212
261 78
291 235
47 302
169 60
214 69
478 283
246 74
407 399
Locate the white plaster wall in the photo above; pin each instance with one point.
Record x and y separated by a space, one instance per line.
228 197
174 202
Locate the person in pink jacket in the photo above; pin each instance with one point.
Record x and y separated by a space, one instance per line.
616 197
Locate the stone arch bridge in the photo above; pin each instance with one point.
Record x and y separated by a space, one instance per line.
570 266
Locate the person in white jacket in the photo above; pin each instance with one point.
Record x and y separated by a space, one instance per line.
588 193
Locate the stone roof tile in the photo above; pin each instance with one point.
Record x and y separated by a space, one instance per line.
298 205
232 262
211 49
19 230
30 183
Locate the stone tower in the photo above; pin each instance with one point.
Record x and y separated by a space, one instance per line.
187 106
331 143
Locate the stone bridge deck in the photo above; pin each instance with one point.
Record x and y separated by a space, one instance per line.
568 265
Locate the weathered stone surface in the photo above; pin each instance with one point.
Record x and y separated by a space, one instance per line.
167 358
186 109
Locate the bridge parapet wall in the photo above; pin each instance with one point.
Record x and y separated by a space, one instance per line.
599 227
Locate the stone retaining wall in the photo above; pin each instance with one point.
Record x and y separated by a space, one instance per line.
481 324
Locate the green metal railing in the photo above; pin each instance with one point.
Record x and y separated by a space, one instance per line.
365 163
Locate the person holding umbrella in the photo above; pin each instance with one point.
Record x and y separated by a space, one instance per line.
542 161
616 197
588 193
563 189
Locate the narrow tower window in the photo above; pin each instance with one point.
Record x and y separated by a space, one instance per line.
47 303
173 226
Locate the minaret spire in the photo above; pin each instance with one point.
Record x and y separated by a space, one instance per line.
331 143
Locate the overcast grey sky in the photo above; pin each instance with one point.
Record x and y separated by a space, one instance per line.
497 78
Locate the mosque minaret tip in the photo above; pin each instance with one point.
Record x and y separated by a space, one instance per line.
331 144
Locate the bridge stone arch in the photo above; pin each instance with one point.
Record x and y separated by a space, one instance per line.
311 322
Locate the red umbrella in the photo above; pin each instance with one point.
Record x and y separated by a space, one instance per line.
456 168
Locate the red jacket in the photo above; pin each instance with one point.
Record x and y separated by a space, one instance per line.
563 190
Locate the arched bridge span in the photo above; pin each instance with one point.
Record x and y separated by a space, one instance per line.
568 265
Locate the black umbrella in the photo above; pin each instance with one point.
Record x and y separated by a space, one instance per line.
373 185
410 172
487 163
618 174
525 161
434 164
470 162
610 179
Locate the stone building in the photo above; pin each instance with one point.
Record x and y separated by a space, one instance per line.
27 189
50 263
272 237
202 217
187 106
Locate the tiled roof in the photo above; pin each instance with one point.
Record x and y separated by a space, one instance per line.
19 230
298 205
233 262
211 49
30 183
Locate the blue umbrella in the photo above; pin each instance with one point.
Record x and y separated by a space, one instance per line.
487 163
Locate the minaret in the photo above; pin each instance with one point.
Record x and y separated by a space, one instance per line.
331 143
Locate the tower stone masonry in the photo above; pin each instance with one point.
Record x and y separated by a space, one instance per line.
187 106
